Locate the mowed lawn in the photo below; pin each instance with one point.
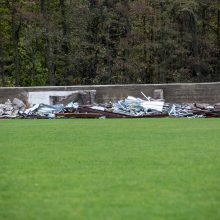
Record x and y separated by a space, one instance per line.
110 169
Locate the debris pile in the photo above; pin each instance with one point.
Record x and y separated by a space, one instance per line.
130 107
182 110
206 110
11 109
138 107
42 111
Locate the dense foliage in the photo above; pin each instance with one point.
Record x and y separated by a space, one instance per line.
68 42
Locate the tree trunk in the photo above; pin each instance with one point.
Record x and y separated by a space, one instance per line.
145 49
15 39
218 42
218 29
193 26
195 47
48 57
1 59
33 69
65 47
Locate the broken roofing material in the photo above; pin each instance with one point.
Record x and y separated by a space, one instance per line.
130 107
42 110
194 110
137 107
182 110
178 110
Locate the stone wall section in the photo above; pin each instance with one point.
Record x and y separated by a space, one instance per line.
173 93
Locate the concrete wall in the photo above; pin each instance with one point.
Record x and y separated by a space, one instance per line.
178 93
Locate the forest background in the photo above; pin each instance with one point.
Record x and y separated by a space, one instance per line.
71 42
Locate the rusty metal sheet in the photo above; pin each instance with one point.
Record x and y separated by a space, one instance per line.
104 113
119 115
79 115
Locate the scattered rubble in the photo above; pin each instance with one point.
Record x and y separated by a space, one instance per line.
130 107
10 109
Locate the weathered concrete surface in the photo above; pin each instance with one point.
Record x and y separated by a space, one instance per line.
178 93
51 97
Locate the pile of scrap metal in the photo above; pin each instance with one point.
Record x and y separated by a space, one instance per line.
11 109
130 107
195 110
41 111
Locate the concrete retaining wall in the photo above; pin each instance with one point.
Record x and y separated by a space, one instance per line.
173 93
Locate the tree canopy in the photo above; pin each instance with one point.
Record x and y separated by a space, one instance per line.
69 42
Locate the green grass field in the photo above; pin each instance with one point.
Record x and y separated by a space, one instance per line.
110 169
